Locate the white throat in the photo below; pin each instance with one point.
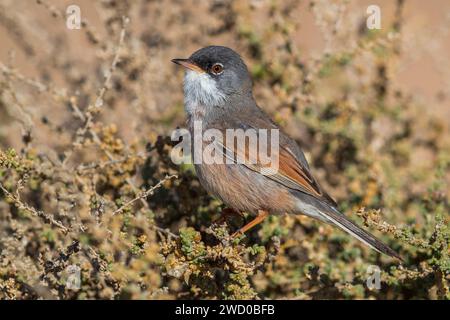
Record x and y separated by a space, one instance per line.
200 91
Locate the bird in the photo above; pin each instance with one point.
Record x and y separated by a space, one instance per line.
218 94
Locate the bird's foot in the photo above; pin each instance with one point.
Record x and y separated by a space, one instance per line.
259 218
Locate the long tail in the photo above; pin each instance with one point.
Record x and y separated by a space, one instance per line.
341 221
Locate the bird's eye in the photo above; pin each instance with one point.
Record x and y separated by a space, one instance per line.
217 68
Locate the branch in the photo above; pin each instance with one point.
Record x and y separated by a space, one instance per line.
143 195
48 218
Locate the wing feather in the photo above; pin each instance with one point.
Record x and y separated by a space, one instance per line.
290 172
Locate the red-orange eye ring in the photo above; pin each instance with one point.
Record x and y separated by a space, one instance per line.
217 68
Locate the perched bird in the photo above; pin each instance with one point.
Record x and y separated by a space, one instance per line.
218 92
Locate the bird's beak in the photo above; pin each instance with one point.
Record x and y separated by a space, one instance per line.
188 64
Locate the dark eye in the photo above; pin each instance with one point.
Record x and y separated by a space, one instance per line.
217 68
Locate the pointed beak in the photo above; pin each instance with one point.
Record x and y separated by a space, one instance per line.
188 64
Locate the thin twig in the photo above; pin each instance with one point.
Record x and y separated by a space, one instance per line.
142 198
38 213
143 195
88 117
96 165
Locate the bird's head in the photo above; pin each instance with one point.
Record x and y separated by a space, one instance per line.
214 75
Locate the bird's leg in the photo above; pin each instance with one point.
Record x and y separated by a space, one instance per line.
227 212
259 218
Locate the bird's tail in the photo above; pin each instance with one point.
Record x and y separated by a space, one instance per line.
336 218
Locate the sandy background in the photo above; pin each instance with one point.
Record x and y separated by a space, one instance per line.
171 31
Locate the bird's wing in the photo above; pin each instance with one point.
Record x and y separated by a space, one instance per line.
289 170
292 171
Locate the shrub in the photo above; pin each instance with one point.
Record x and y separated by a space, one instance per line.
86 179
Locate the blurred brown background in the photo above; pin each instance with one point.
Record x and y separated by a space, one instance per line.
168 29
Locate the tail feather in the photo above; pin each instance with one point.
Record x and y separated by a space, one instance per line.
341 221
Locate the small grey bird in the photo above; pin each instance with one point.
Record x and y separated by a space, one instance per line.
218 92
